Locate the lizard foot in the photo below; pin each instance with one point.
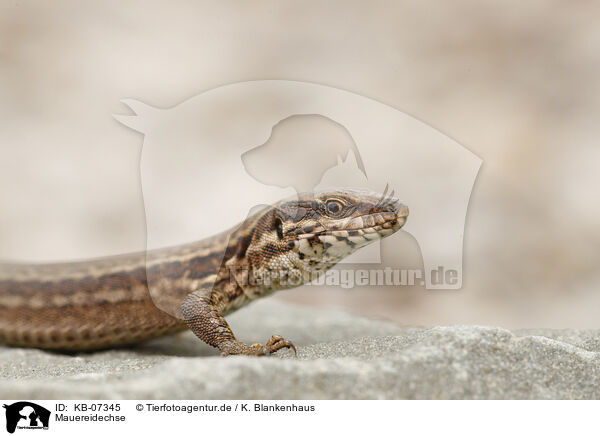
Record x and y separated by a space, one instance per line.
273 345
277 343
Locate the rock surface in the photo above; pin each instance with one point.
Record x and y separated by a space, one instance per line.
340 356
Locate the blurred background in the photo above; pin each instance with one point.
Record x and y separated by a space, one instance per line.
517 83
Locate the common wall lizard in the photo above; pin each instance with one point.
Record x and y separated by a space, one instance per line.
124 299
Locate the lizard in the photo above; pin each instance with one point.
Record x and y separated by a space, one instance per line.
124 299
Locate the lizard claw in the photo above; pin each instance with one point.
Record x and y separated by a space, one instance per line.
277 343
273 345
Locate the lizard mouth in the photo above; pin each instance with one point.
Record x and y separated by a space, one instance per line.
369 226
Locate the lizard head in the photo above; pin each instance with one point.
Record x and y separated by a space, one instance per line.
311 233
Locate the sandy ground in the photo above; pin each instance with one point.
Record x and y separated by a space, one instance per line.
340 356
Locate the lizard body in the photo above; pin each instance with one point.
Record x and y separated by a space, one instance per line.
121 300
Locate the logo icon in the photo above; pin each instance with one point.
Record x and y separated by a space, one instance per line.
209 161
26 415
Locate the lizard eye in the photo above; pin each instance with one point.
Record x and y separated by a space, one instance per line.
334 207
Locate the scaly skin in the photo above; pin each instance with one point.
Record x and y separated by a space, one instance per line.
126 299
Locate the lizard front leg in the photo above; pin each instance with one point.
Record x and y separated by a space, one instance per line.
201 316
